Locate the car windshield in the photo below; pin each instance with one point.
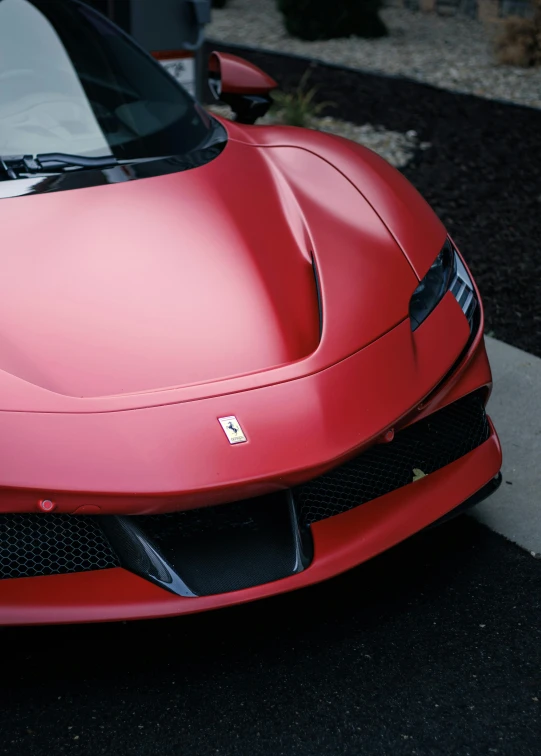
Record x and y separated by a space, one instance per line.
71 82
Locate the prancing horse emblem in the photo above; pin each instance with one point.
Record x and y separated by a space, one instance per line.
232 429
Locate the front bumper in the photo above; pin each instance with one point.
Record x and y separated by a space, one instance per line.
339 542
297 431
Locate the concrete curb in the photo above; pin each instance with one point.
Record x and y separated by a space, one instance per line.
515 407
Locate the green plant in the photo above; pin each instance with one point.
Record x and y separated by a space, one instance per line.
322 19
519 41
297 108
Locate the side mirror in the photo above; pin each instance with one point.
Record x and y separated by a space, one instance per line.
241 85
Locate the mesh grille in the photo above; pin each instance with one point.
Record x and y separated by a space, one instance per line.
238 514
428 445
33 544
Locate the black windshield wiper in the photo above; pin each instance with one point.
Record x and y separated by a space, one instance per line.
14 165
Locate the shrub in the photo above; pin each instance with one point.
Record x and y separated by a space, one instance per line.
297 108
326 19
519 41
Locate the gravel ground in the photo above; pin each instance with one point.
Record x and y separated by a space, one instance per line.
453 53
431 649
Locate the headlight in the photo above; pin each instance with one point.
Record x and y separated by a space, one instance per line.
447 273
433 286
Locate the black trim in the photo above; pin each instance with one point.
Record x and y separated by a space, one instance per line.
214 550
304 544
85 178
318 293
247 108
137 554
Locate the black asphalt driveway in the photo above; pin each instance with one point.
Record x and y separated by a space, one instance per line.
433 648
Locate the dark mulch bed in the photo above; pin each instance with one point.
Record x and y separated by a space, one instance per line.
481 175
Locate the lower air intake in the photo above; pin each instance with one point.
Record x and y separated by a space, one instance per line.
51 544
229 547
424 447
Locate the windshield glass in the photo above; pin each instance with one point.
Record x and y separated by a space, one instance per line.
71 82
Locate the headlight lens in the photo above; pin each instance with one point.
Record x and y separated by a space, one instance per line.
433 286
448 273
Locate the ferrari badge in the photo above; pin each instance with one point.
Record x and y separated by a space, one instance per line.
232 429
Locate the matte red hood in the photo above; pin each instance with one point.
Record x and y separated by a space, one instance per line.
153 283
195 276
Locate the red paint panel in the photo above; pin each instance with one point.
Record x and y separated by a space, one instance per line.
177 456
366 280
161 282
406 214
239 76
191 285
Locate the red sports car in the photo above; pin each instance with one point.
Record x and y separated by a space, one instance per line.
234 359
